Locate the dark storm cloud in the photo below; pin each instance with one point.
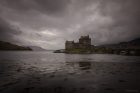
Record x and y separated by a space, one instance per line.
47 6
48 23
125 12
7 31
52 6
126 18
125 23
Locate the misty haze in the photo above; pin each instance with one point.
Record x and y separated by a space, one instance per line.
69 46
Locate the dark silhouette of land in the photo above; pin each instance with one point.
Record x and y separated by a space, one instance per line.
10 47
36 48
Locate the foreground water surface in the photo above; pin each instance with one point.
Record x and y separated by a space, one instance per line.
47 72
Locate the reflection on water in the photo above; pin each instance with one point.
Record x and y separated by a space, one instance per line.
84 65
79 65
41 72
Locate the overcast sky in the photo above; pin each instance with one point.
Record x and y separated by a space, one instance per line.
49 23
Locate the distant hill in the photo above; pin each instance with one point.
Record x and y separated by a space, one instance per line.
133 44
9 46
126 48
135 41
36 48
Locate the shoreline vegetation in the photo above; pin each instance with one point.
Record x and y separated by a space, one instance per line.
129 52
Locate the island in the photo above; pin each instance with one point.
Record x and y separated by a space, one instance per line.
84 46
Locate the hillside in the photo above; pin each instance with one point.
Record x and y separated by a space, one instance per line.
133 44
128 48
36 48
10 46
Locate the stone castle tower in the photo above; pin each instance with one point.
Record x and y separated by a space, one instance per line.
85 40
83 44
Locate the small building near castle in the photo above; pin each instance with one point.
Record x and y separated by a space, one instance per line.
84 45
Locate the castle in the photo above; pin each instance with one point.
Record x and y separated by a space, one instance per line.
84 45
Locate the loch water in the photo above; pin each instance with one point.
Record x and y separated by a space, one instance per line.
48 72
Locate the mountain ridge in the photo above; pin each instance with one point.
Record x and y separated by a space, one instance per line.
9 46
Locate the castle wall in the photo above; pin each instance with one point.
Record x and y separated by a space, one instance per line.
69 45
83 44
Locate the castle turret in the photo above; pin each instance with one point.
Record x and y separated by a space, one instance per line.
86 40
